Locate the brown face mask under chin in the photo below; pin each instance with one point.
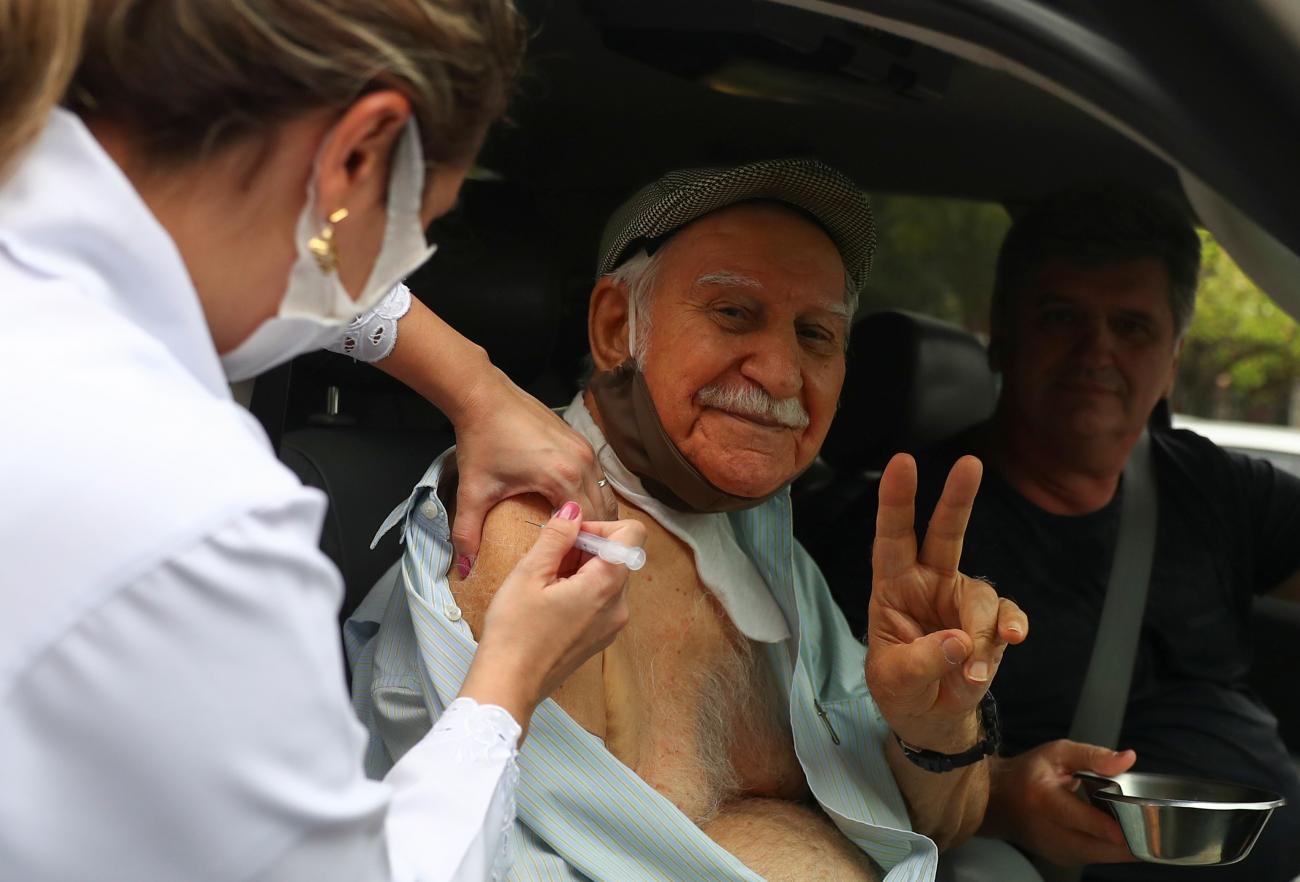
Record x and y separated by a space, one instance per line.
633 430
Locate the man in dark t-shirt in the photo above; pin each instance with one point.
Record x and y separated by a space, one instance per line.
1094 291
1228 528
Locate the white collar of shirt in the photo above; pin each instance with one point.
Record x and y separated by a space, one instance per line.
70 212
723 566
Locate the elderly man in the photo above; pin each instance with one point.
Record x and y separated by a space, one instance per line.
728 733
1095 288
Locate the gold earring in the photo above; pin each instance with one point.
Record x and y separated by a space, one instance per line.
322 244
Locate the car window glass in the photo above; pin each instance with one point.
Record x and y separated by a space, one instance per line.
1241 358
935 256
1242 351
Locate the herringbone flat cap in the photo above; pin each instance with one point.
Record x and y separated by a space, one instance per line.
681 196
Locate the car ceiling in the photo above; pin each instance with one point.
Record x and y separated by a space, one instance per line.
593 120
950 128
600 114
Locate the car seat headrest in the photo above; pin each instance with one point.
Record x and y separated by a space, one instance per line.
911 381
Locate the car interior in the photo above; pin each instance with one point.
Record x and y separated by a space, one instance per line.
962 101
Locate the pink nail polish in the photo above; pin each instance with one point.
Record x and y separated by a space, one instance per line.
570 511
464 564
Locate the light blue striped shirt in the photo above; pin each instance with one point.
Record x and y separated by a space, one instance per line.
582 814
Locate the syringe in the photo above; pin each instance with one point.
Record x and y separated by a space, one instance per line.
630 556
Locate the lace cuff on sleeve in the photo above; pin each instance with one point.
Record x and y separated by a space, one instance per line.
485 733
372 335
482 731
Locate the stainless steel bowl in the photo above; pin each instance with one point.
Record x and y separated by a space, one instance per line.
1169 819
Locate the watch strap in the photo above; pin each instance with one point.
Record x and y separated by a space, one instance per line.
934 761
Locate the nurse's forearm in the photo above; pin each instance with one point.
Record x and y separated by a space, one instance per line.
438 362
507 442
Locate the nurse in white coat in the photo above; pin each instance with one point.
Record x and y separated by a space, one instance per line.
233 183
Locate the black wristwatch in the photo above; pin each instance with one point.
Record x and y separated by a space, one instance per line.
934 761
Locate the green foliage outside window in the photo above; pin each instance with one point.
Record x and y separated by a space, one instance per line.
1242 351
935 256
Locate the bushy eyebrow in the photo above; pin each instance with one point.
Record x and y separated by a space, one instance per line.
728 279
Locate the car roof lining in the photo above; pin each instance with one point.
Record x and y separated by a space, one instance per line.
594 123
628 122
591 125
1273 267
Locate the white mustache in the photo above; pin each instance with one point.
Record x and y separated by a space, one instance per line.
754 401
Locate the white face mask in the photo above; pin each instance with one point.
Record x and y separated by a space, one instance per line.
316 306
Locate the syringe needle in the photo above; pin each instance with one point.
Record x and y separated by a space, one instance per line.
630 556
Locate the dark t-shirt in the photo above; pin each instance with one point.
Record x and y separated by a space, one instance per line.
1228 527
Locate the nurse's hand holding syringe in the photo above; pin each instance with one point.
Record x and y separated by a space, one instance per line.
630 556
547 618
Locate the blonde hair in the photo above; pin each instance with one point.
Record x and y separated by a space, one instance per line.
42 45
187 77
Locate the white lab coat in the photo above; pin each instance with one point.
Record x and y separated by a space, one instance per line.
172 704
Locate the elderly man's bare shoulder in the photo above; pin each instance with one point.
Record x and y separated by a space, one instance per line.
508 532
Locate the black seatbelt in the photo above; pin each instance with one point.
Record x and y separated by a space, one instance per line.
1099 715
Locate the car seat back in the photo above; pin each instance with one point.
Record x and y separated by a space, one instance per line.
910 382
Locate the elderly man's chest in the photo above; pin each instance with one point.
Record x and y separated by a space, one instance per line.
690 705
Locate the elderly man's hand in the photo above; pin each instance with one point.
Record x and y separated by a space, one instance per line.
1033 803
934 636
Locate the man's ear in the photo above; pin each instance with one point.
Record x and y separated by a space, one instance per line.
354 159
607 319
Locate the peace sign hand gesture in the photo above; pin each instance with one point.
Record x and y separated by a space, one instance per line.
935 637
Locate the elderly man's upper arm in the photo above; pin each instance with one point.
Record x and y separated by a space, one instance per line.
507 536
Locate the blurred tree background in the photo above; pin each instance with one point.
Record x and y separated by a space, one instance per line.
935 256
1241 354
1241 357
